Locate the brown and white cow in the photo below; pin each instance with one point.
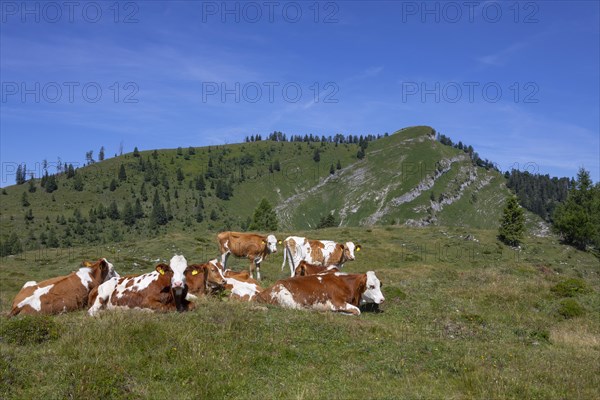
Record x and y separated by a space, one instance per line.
213 283
241 285
305 268
319 252
63 293
325 292
164 289
249 245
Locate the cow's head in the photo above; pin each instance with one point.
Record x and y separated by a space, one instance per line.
178 265
372 293
175 273
196 278
107 270
349 248
300 269
271 244
215 280
201 278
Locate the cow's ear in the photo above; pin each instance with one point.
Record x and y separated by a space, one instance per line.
162 268
342 246
196 268
263 242
86 264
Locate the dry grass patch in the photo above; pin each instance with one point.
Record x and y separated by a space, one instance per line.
576 335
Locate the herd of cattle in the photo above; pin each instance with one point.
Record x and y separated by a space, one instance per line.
315 283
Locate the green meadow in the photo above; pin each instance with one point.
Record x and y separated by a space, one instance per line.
463 319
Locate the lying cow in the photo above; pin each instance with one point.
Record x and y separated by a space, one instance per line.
241 285
64 293
164 289
249 245
326 292
305 268
214 282
319 252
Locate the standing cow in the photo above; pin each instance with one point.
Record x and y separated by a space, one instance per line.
255 247
63 293
326 253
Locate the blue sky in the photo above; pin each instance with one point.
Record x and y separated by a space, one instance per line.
518 81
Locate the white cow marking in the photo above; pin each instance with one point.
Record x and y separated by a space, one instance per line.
327 306
34 300
30 283
242 289
105 292
372 293
178 264
139 283
285 298
85 276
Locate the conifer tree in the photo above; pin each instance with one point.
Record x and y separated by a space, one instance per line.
317 155
138 211
51 184
128 216
25 200
578 218
512 223
122 173
78 183
200 210
264 218
113 210
159 214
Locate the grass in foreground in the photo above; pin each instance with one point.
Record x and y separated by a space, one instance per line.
461 320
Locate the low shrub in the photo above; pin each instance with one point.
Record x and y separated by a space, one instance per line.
570 308
569 287
29 329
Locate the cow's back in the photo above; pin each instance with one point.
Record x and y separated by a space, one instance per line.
52 296
303 291
241 244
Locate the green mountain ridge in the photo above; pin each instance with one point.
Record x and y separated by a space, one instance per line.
405 178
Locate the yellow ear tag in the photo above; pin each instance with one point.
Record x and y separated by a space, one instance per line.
358 249
280 242
195 272
161 271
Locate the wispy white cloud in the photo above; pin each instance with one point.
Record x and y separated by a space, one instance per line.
502 56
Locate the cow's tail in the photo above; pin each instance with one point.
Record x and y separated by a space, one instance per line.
285 250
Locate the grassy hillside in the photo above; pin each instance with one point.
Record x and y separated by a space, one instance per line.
407 177
462 319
